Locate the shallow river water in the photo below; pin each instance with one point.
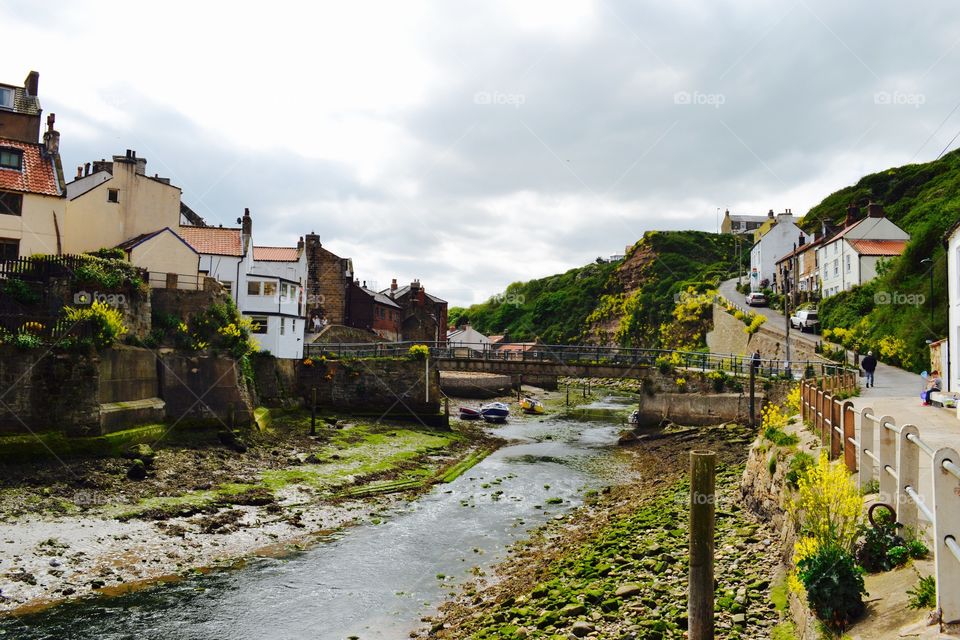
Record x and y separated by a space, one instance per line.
373 581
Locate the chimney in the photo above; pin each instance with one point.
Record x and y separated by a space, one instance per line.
853 213
51 137
803 239
770 214
32 84
86 169
300 246
364 284
79 172
393 285
246 229
874 210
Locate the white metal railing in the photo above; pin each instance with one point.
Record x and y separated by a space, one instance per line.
891 454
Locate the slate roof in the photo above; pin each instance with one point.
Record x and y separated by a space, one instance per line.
37 175
402 291
878 247
276 254
218 241
80 186
379 298
23 103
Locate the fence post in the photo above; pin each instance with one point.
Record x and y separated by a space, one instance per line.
866 444
849 433
836 424
702 533
946 524
826 400
908 472
803 401
887 453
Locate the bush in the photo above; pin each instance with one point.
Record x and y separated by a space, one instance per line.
718 379
918 550
779 438
105 322
799 464
20 291
834 586
418 352
873 549
924 595
828 507
898 555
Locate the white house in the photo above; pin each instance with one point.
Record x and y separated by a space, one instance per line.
267 283
775 240
467 336
850 257
953 292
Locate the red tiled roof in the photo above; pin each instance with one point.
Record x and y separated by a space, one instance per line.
878 247
217 241
276 254
37 174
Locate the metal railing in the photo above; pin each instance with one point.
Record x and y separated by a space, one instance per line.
586 355
891 454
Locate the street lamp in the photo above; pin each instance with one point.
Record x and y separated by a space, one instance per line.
929 261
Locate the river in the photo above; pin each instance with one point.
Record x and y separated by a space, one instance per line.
373 581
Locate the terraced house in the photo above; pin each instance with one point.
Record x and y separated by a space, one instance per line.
32 188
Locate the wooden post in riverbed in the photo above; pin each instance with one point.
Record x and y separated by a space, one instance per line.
568 394
753 396
702 513
313 413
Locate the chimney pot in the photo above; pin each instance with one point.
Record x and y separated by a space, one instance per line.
80 171
770 213
874 210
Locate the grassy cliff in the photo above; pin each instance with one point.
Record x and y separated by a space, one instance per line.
625 302
892 314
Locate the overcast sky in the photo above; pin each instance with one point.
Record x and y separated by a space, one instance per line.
473 144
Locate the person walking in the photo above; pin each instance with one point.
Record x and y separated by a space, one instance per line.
869 365
755 362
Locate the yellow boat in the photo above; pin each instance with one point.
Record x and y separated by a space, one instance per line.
530 405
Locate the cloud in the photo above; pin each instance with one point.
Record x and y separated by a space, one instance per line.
478 143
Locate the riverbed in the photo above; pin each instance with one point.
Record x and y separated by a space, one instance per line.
376 580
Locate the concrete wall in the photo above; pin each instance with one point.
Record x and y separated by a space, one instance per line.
728 336
373 386
126 374
693 409
35 227
475 385
203 387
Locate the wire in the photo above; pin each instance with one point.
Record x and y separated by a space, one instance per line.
948 144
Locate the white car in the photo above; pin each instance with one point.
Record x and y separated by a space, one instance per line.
805 319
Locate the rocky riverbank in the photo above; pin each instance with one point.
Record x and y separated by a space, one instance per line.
85 527
616 568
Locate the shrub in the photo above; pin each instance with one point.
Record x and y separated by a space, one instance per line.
918 550
773 417
799 464
828 507
924 595
898 555
834 585
779 438
681 384
20 291
873 549
105 322
718 379
792 407
756 321
418 352
108 253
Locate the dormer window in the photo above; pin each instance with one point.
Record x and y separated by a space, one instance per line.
6 98
11 159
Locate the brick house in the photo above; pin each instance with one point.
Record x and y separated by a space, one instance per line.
424 316
372 311
32 189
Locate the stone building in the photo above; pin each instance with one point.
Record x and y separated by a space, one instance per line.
423 316
329 278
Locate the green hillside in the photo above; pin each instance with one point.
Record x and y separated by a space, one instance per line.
623 302
884 315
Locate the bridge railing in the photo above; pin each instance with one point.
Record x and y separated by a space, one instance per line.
892 454
584 355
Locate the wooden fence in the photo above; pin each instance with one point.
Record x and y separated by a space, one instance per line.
891 454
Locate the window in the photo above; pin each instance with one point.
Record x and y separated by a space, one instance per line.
283 326
113 195
11 159
836 267
227 287
253 287
9 249
848 264
259 324
6 98
10 203
269 288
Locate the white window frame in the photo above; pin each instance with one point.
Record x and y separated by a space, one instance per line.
283 326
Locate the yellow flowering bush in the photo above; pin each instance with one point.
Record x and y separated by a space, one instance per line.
772 416
105 321
827 506
756 320
418 352
231 330
681 384
793 401
894 350
805 547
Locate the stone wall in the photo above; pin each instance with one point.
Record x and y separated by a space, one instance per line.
204 387
326 282
728 336
126 374
690 409
275 380
386 386
185 304
482 386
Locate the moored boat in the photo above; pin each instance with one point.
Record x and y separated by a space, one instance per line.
495 412
466 413
532 405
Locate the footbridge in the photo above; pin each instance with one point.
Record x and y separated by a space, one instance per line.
575 361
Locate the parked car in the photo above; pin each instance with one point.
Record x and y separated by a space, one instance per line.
756 299
805 319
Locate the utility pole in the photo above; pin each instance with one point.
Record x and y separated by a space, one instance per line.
786 314
929 261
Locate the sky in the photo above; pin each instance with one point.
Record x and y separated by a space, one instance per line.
472 144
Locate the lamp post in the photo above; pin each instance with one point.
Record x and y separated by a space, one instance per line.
929 261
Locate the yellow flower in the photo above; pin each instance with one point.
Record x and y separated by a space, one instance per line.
828 507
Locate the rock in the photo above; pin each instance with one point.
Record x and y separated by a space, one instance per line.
628 590
313 459
55 562
581 628
142 452
573 610
137 470
739 619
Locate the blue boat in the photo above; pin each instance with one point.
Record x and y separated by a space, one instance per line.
495 412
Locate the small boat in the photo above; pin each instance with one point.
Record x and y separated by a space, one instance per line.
494 412
532 405
466 413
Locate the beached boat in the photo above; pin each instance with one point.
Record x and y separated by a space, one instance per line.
495 412
466 413
532 405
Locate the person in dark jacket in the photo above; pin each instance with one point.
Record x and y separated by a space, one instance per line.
755 362
869 365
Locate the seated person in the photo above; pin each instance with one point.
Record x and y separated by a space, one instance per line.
934 384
